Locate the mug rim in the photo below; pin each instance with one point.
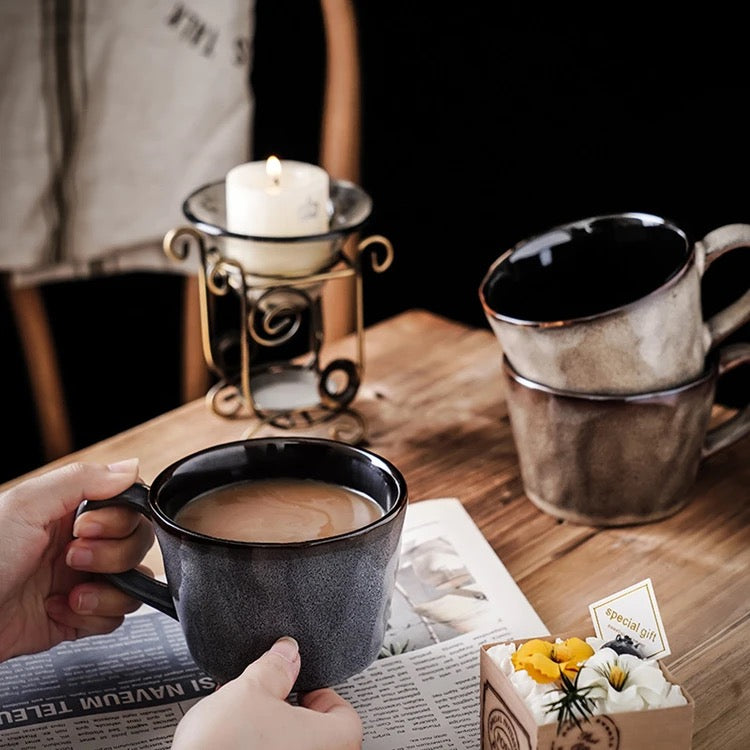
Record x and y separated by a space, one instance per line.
171 526
653 219
710 371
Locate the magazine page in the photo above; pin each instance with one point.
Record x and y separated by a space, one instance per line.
129 689
452 595
450 581
423 700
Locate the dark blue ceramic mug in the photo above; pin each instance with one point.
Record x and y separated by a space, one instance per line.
234 599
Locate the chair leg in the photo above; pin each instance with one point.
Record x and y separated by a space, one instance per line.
340 146
195 375
35 335
339 311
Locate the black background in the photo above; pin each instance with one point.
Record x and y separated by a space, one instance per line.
483 124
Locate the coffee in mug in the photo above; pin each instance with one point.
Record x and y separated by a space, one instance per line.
278 510
234 597
610 304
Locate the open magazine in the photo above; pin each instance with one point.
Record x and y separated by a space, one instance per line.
129 689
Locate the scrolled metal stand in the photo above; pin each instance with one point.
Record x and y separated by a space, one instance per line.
284 395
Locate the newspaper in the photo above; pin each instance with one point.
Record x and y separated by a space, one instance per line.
130 688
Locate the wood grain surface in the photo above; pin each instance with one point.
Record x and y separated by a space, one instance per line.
433 399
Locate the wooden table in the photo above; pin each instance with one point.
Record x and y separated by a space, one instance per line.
434 402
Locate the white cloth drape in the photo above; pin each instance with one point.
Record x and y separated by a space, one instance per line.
111 113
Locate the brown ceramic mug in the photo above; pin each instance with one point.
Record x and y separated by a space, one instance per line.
610 304
610 460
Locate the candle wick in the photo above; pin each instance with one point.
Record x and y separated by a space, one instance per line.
276 179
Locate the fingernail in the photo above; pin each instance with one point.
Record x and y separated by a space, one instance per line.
127 466
79 557
87 602
86 527
287 648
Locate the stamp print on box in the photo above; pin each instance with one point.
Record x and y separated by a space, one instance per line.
600 732
501 729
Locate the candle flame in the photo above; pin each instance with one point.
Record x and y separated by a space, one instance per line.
273 170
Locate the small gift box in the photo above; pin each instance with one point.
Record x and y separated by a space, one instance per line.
567 693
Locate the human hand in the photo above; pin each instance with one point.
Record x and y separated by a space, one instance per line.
252 712
48 588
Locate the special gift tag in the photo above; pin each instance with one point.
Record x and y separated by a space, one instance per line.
632 612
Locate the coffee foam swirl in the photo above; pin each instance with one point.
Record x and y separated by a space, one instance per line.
278 510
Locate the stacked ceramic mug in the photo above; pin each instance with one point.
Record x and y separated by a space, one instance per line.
609 369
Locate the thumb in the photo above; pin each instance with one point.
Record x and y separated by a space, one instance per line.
55 494
277 669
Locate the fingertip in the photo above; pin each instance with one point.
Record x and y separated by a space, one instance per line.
287 648
286 651
85 527
126 466
100 599
85 602
79 557
112 522
277 669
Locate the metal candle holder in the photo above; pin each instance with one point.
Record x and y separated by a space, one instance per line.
287 393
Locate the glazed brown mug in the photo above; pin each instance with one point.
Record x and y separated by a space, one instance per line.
610 460
610 304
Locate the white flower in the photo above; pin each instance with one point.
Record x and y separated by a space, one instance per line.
623 682
594 642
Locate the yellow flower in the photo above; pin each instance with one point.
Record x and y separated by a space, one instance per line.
544 661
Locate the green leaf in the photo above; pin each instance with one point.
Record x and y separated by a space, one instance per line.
573 706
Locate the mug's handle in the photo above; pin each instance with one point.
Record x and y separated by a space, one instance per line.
133 582
739 425
709 249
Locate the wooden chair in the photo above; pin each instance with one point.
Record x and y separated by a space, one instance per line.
340 148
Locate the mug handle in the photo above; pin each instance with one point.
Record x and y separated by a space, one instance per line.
710 248
738 426
133 582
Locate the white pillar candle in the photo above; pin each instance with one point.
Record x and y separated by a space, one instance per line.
276 198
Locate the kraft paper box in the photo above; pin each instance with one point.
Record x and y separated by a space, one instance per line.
507 722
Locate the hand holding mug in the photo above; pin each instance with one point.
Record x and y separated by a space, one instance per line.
251 711
48 589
